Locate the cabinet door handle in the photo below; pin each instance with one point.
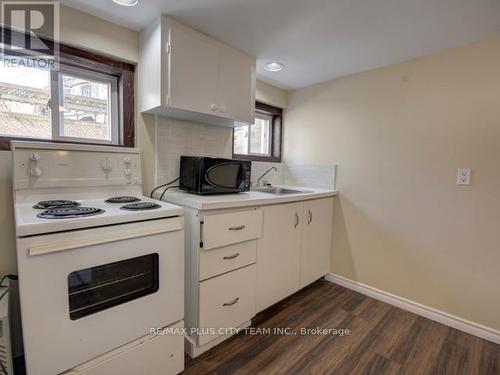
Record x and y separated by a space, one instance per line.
310 217
237 228
296 220
231 303
213 107
232 256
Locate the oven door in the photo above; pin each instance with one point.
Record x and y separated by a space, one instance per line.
86 292
225 176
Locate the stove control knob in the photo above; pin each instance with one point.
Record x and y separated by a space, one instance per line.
36 172
128 172
35 156
106 165
127 160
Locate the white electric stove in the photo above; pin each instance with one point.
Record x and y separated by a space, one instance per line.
99 264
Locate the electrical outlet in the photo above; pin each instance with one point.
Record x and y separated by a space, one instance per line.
463 176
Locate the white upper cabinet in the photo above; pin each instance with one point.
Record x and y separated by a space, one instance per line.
188 75
236 88
193 71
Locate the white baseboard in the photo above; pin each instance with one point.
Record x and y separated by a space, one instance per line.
475 329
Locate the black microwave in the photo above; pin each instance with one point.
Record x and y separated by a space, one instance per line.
203 175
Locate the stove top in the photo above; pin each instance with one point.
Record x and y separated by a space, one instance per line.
70 212
55 203
92 211
123 199
140 206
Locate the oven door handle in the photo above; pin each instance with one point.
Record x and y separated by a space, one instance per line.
99 236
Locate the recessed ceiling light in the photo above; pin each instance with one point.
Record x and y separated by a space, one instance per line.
126 3
274 66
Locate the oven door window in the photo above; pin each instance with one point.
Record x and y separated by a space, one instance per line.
98 288
225 175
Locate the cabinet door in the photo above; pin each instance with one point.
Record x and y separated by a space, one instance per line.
278 254
236 90
194 62
316 240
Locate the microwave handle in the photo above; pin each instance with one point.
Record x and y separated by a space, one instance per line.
240 175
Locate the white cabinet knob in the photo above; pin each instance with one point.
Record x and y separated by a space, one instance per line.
35 156
222 109
128 172
127 160
213 107
36 172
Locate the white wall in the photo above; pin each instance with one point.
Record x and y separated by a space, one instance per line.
398 134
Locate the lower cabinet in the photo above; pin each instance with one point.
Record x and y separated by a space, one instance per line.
316 240
241 261
278 253
294 249
226 302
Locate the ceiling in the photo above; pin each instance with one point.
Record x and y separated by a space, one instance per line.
319 40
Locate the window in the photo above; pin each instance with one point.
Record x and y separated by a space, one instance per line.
260 141
86 106
89 98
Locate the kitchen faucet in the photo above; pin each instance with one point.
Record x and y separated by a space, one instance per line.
262 176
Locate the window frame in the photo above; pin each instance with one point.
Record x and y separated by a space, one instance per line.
91 63
275 135
57 101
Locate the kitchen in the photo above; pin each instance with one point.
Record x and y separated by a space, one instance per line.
369 206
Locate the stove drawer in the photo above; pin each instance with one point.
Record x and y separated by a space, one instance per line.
162 354
226 301
224 259
228 228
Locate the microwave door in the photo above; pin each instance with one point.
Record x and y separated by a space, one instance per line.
224 176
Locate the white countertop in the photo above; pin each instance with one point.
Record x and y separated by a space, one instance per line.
250 198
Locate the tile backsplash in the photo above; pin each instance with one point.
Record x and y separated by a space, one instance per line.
296 174
310 175
176 137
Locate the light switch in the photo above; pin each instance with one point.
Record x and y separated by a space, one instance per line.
463 176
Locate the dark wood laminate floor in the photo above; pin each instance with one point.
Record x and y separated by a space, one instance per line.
383 340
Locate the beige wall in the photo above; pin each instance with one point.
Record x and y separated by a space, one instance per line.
84 30
398 135
272 95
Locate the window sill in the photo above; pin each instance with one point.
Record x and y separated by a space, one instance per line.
269 159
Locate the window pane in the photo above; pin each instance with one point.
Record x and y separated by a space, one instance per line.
86 108
24 97
259 136
241 140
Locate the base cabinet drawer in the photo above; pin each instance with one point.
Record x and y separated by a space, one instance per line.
229 228
226 301
224 259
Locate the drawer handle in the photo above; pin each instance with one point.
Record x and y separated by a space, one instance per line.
232 256
310 217
231 303
237 228
296 220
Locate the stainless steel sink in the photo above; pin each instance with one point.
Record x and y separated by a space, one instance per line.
279 190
